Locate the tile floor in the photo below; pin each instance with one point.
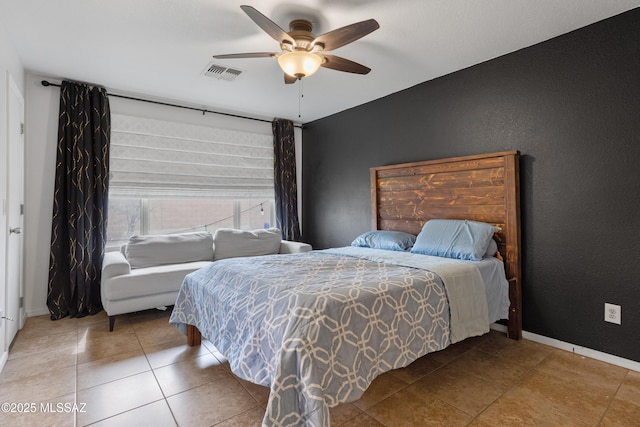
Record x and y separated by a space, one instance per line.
77 373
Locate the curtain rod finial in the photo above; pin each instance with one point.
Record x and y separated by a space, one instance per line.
45 83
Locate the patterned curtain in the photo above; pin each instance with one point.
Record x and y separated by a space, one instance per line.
78 232
284 170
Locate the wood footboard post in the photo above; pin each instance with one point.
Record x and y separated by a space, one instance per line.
194 337
514 325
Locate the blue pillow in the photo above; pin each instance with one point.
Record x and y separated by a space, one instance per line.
384 239
492 249
451 238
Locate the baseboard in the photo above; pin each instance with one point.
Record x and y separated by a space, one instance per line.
583 351
23 318
38 312
3 359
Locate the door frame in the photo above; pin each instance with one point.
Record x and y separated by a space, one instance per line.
14 96
4 150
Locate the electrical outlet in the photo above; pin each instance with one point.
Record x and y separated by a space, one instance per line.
612 313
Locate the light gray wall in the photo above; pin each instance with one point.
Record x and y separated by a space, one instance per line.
42 128
41 136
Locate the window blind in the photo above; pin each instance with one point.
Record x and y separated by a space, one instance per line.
153 158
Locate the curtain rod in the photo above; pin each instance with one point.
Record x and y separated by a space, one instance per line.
167 104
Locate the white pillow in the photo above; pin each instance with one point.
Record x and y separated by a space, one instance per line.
231 243
161 249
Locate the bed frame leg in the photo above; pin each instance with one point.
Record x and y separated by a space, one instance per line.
194 337
112 323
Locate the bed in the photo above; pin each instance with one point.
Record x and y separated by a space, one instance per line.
319 327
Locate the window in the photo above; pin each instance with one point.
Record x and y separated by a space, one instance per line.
129 216
169 177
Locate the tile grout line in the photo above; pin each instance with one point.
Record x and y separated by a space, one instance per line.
520 357
409 384
153 372
515 384
613 397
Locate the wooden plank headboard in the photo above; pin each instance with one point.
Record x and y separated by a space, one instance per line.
480 188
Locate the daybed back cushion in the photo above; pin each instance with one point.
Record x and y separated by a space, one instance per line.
231 243
147 251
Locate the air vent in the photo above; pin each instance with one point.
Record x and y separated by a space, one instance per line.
221 72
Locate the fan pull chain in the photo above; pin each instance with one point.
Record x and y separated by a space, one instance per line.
300 96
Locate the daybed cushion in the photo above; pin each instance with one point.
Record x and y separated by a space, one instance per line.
231 243
150 281
289 247
162 249
385 239
459 239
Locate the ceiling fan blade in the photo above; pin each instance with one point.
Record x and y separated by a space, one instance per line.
341 64
345 35
289 79
270 27
246 55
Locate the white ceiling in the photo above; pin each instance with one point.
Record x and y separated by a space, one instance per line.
158 49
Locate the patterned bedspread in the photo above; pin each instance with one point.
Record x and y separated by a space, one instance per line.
317 327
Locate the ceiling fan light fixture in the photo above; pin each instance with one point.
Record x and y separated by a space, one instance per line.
299 64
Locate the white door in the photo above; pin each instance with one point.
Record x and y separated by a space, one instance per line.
15 210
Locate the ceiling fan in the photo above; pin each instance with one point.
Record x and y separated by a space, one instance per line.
302 52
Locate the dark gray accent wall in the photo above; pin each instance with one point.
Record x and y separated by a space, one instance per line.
571 106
